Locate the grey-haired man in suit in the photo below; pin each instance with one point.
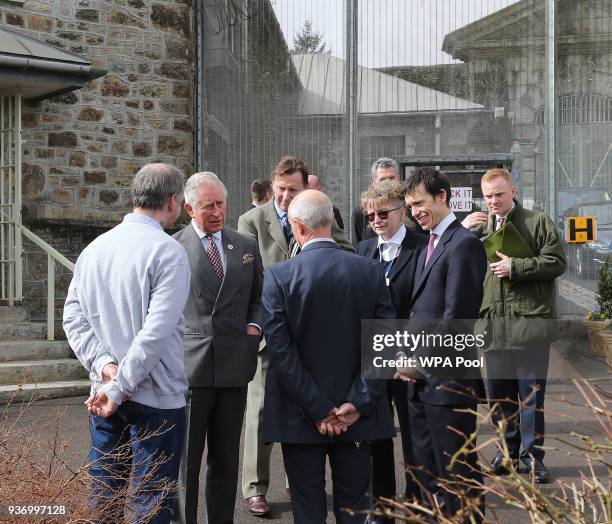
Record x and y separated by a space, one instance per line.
223 315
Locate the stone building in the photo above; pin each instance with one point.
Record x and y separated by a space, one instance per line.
81 149
213 85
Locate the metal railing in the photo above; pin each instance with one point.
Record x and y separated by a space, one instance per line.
53 256
11 228
10 198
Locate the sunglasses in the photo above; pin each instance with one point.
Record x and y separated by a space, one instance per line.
383 214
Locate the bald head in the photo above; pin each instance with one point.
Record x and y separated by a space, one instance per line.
311 215
314 182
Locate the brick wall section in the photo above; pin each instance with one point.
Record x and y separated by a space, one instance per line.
81 149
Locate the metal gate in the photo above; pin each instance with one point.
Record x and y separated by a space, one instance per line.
10 199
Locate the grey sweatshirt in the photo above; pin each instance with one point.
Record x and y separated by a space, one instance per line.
125 305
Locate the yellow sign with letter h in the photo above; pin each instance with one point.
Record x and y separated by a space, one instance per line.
580 229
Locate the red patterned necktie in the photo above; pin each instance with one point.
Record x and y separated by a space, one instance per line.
214 256
430 246
500 222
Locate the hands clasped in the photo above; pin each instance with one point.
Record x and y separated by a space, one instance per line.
338 420
99 404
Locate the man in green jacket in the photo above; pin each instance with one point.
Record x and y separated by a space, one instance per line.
517 312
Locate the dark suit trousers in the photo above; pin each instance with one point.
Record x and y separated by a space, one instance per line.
350 470
214 416
383 461
516 375
431 438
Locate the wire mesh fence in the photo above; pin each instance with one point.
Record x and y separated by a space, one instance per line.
436 78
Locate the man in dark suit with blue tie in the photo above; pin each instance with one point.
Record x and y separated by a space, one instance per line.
397 249
449 285
317 405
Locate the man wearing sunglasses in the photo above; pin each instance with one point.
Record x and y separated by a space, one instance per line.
397 249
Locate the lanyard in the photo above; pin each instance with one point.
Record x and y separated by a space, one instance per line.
389 265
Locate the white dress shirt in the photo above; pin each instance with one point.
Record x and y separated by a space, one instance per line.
442 227
216 237
497 217
317 240
389 249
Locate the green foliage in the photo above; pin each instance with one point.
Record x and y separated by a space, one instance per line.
308 41
604 293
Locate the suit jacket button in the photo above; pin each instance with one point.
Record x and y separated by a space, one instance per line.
411 314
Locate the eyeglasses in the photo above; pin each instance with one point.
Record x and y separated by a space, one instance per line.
382 214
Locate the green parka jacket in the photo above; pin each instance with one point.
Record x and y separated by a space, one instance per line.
517 312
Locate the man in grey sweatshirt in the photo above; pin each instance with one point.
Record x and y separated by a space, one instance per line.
124 321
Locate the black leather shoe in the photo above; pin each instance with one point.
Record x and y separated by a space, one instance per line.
538 470
499 468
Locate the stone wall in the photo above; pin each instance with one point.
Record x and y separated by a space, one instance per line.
70 241
81 149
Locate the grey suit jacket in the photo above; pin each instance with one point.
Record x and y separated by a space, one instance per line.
218 351
263 225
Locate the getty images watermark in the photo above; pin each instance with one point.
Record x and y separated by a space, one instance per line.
457 349
414 350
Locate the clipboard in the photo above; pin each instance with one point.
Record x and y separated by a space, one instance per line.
506 240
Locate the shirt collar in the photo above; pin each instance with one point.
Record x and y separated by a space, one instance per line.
142 219
281 214
504 216
443 225
317 240
201 233
396 239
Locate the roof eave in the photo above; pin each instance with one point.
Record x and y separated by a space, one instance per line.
30 74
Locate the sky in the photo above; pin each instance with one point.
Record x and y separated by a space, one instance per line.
391 32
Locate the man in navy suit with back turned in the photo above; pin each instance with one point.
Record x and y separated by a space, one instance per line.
449 285
317 405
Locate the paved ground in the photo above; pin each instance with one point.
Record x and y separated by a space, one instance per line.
563 418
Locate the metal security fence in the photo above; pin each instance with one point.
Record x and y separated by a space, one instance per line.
10 198
343 82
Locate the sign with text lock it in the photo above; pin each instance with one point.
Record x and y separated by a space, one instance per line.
461 199
580 229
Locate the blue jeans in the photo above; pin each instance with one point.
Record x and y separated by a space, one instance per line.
138 441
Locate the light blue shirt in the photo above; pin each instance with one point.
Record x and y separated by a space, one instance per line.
282 215
205 241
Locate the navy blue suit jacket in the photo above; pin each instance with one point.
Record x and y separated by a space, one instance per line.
450 287
313 307
403 270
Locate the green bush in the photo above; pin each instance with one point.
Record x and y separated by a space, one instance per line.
604 293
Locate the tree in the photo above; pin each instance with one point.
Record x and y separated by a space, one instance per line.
308 41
